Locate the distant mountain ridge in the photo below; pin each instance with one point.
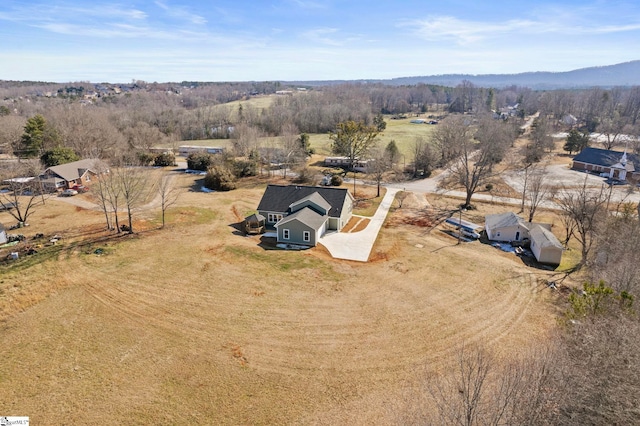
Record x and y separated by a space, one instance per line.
623 74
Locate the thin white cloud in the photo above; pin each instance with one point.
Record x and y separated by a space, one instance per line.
44 12
463 32
181 13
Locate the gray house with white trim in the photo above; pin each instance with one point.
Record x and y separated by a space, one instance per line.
303 214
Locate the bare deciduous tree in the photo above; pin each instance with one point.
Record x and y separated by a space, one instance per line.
168 193
583 208
482 391
537 190
134 186
475 163
24 189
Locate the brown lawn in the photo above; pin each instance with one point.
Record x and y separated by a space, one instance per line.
196 323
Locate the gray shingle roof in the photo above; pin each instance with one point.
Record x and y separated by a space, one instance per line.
278 198
314 198
73 170
606 158
307 216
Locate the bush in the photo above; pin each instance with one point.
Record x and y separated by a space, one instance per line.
199 161
305 175
245 168
336 180
164 160
220 178
144 158
488 187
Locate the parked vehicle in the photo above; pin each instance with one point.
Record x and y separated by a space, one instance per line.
68 193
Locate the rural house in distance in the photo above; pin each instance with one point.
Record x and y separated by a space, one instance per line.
68 175
303 214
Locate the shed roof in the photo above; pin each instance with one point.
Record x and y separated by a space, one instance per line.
278 198
307 216
544 237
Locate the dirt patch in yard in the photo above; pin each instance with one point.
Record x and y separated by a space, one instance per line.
356 224
415 211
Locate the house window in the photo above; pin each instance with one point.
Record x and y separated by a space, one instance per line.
273 217
285 234
306 236
497 234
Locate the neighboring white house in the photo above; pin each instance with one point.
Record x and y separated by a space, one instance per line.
3 234
508 227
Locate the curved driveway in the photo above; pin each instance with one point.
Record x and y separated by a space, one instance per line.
357 245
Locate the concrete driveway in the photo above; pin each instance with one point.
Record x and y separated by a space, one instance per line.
358 245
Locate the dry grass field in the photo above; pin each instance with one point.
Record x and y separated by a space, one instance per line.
197 324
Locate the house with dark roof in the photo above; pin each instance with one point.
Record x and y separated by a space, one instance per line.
509 227
615 164
303 214
69 175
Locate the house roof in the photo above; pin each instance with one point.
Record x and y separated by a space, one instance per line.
278 198
606 158
73 170
502 220
314 198
308 216
544 237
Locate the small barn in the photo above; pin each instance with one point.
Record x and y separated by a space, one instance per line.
254 224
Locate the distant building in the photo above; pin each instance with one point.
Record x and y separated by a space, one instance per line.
615 165
358 165
185 150
76 173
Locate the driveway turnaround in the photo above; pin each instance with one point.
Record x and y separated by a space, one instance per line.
357 245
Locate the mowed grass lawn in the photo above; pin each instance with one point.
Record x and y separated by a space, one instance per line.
197 324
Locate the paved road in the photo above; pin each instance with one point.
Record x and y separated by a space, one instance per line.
358 245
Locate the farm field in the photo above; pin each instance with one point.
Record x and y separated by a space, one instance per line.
196 323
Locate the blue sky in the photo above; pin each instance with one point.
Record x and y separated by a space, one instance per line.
224 40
